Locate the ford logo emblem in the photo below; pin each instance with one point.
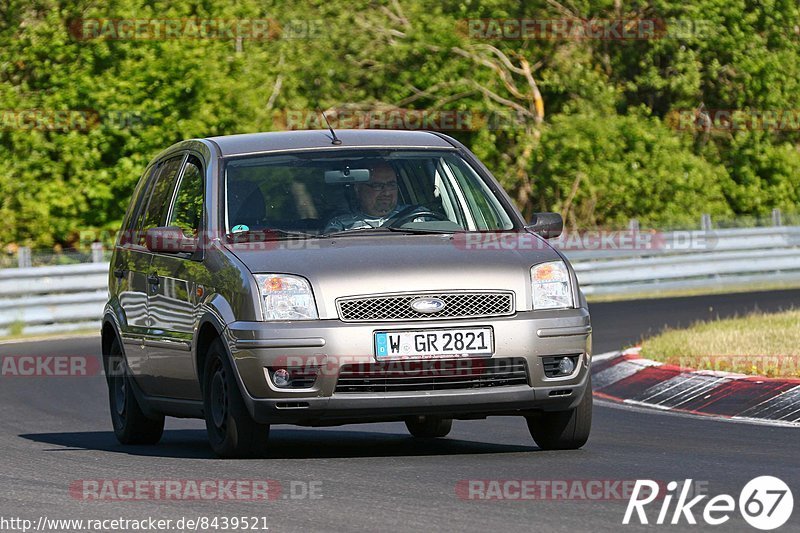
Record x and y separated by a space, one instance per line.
427 305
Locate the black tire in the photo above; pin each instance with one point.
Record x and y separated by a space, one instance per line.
563 430
232 432
131 425
429 427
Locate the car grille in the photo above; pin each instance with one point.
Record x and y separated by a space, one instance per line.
432 375
398 307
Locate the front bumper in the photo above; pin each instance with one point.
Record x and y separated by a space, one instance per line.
333 344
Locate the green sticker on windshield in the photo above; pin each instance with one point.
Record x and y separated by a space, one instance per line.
240 227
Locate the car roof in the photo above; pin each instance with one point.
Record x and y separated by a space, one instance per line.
249 143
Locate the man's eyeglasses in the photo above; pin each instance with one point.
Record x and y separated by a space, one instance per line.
384 186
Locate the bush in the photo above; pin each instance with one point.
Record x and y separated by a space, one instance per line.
604 170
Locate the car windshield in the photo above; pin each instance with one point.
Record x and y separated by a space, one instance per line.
343 192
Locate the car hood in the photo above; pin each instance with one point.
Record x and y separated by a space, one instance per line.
368 264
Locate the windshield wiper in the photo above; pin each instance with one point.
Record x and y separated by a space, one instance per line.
352 231
387 229
423 231
269 234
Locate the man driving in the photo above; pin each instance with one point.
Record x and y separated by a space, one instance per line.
377 201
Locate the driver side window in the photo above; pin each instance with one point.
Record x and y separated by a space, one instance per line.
187 209
159 195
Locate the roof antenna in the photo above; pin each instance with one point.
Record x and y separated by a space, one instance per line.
336 139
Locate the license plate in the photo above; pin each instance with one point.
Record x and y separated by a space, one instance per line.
431 343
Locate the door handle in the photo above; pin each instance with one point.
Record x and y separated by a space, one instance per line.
152 279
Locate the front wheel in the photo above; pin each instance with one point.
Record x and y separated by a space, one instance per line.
232 432
429 427
563 430
131 426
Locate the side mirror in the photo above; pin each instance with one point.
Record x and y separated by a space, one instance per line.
169 239
547 225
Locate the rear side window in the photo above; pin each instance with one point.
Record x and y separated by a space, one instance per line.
187 211
138 201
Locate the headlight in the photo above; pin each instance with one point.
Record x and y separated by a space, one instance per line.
551 287
286 297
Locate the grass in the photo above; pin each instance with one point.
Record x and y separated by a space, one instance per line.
757 344
16 328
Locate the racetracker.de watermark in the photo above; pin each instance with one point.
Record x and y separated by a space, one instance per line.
731 120
644 241
64 120
155 29
762 365
366 366
400 119
193 489
554 489
175 240
576 29
57 366
592 240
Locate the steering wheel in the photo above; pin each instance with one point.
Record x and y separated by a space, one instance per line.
410 213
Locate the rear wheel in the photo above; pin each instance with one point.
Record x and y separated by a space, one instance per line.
429 427
231 430
563 430
131 426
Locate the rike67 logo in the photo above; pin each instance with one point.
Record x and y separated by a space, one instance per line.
765 503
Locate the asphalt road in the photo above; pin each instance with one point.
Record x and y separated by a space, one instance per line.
376 478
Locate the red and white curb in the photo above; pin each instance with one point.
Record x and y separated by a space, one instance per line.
626 377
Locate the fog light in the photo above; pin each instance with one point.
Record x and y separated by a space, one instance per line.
281 378
566 366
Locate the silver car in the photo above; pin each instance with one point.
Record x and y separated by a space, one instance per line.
322 278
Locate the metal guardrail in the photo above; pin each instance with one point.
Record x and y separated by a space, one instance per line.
52 299
682 260
71 297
